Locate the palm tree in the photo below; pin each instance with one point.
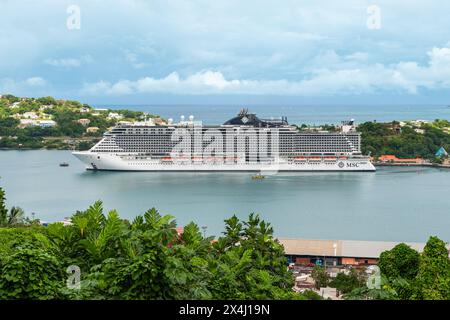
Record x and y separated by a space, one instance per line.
3 210
16 216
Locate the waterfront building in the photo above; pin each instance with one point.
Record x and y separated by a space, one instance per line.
338 252
386 158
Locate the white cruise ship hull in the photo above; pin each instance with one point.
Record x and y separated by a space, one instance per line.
116 162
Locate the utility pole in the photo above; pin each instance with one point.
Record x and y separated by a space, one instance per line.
204 231
335 253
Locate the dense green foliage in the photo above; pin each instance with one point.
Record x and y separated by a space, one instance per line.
142 259
404 142
346 283
148 259
14 217
3 210
400 262
65 113
249 263
408 275
31 273
320 276
433 277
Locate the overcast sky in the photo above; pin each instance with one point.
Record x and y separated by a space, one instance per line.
227 51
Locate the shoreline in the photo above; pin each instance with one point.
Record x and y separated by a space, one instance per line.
376 164
428 165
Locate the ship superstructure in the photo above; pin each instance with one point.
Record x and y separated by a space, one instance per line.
243 143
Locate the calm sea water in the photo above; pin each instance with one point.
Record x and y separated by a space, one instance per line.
393 204
308 114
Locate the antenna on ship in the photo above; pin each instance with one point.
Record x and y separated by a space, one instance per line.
243 112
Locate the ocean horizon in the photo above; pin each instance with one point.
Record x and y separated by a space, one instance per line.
296 114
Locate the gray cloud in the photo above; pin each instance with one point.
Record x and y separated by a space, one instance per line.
348 76
288 46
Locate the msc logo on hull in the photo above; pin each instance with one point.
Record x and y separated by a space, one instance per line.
349 165
353 165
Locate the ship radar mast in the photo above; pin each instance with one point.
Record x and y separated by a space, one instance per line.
243 112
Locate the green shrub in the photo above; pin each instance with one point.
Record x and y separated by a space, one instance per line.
31 273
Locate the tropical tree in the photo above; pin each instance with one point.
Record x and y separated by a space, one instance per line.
187 265
433 277
345 283
3 210
248 263
400 262
145 259
399 266
385 292
16 216
320 276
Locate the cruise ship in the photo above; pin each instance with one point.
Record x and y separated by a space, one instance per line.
244 143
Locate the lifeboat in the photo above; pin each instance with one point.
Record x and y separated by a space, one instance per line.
299 159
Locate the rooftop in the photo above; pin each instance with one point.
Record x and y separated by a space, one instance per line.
344 248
